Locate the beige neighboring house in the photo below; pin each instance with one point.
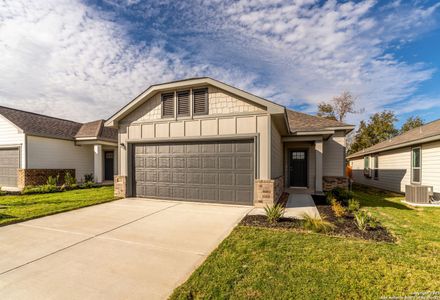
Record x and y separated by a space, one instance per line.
202 140
412 158
34 146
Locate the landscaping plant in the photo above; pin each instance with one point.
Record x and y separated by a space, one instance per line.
342 195
274 213
89 178
361 220
338 209
69 180
53 180
353 205
317 224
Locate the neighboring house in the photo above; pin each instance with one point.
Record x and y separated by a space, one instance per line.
410 158
202 140
33 147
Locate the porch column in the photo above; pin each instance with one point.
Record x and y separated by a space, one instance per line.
318 165
98 160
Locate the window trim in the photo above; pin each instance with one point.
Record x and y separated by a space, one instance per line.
375 167
416 168
367 169
162 106
206 112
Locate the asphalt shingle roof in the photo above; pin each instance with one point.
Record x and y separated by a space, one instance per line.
413 135
304 122
40 125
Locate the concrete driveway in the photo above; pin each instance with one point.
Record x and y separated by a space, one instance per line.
127 249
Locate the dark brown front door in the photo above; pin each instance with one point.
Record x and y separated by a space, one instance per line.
298 168
109 165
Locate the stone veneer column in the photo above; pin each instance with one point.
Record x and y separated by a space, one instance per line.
318 164
120 186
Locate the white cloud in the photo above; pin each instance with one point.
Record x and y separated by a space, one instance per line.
63 59
72 60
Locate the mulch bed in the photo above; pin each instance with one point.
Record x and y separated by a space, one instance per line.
345 226
261 221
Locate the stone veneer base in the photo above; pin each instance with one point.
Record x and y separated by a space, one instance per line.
120 186
27 177
268 191
331 182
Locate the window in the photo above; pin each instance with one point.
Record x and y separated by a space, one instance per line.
416 165
367 166
183 103
376 167
168 105
200 101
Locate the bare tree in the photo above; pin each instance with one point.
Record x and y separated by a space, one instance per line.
339 107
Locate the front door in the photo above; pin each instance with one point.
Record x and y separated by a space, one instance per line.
109 165
298 168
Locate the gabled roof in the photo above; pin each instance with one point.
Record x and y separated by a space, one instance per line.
45 126
426 133
40 125
304 122
271 107
96 130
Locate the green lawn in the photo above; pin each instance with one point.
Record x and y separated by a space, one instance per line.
254 263
15 209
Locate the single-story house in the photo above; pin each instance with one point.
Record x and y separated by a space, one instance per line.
34 146
203 140
412 158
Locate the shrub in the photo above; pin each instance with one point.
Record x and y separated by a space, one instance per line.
338 209
353 205
274 213
69 180
53 180
317 224
41 189
88 185
361 220
89 178
364 220
342 195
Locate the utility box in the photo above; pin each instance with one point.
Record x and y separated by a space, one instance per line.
419 193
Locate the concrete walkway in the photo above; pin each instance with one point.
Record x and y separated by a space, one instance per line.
127 249
297 205
300 204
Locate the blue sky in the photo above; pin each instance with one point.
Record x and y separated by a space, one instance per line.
83 60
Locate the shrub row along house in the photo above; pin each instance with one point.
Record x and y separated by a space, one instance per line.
202 140
34 147
410 159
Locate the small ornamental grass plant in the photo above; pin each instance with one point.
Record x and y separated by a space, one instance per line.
274 213
320 225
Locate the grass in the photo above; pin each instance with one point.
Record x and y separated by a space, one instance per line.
15 209
258 263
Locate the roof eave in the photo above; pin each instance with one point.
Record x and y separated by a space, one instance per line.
393 147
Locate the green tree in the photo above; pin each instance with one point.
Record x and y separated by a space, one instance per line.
380 127
338 108
411 123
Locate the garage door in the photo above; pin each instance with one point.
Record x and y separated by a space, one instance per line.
9 163
221 172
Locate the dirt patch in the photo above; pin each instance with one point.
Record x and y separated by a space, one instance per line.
346 226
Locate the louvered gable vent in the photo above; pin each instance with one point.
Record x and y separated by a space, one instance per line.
183 103
200 97
168 105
